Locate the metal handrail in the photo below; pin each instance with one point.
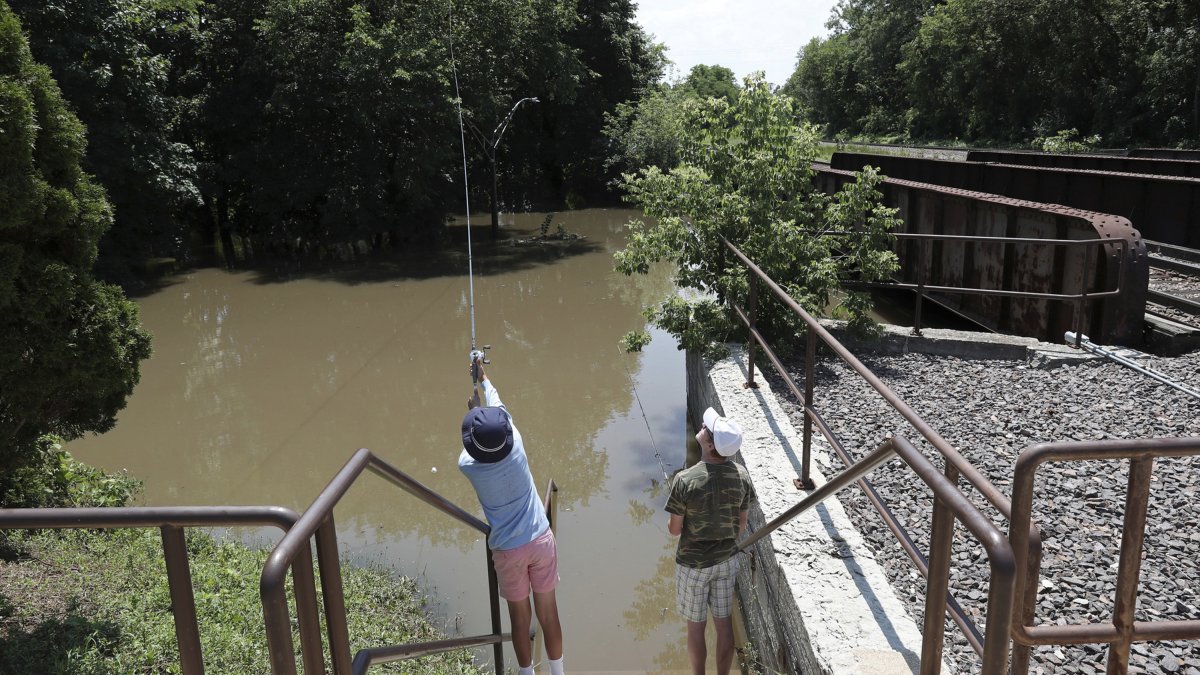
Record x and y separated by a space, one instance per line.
995 657
815 329
949 501
365 658
171 520
318 520
294 550
850 474
1123 630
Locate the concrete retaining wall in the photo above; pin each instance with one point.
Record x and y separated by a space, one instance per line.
769 610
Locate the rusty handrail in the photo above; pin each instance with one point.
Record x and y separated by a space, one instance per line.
815 328
850 474
1124 630
171 520
318 520
941 539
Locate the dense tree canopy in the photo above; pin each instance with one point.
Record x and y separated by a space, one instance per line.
301 127
705 81
1007 70
101 55
648 131
71 346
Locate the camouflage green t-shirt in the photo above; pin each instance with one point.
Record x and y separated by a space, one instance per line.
710 497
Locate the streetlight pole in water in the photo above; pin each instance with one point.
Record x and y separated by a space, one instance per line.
490 147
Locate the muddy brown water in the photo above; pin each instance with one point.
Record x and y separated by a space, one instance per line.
262 385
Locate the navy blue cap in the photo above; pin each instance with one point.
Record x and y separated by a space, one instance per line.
487 434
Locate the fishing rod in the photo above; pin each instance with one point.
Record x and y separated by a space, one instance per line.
476 354
653 444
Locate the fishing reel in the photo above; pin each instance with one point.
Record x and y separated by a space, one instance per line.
476 356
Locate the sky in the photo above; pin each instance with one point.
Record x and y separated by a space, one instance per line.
742 35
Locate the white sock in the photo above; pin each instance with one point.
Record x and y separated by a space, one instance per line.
556 666
525 670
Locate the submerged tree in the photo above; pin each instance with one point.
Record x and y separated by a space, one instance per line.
746 175
69 346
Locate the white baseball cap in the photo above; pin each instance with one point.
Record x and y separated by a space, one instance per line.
726 433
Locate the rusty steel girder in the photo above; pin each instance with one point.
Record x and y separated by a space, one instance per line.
1012 267
1162 208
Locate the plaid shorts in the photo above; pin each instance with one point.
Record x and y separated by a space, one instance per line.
698 589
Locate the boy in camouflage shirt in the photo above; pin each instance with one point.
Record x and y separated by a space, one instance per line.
709 504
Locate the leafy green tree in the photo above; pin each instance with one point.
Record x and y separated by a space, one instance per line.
848 81
1169 91
710 81
101 55
222 73
824 84
1006 70
647 132
746 175
326 123
1066 140
619 63
69 346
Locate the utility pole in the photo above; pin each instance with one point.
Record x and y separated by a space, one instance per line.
490 147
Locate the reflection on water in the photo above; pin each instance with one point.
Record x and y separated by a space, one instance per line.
262 385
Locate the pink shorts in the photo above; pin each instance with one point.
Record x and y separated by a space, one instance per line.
533 565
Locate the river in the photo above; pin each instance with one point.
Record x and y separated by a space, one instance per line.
263 384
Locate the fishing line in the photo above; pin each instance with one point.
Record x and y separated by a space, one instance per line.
462 137
475 355
653 444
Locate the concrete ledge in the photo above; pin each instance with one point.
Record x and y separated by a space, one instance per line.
818 601
962 344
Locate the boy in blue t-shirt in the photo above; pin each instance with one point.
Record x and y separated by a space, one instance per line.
522 543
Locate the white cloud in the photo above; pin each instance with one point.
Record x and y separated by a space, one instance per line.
744 36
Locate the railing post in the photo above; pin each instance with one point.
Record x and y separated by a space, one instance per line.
1022 653
941 541
335 601
308 616
805 482
752 303
922 273
1136 500
1081 303
183 600
494 597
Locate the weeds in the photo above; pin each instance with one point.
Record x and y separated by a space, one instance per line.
98 602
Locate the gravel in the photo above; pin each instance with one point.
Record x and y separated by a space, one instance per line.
1178 284
990 411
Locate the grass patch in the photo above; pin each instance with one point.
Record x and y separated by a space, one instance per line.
89 602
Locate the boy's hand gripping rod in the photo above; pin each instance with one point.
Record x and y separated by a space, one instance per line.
477 356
